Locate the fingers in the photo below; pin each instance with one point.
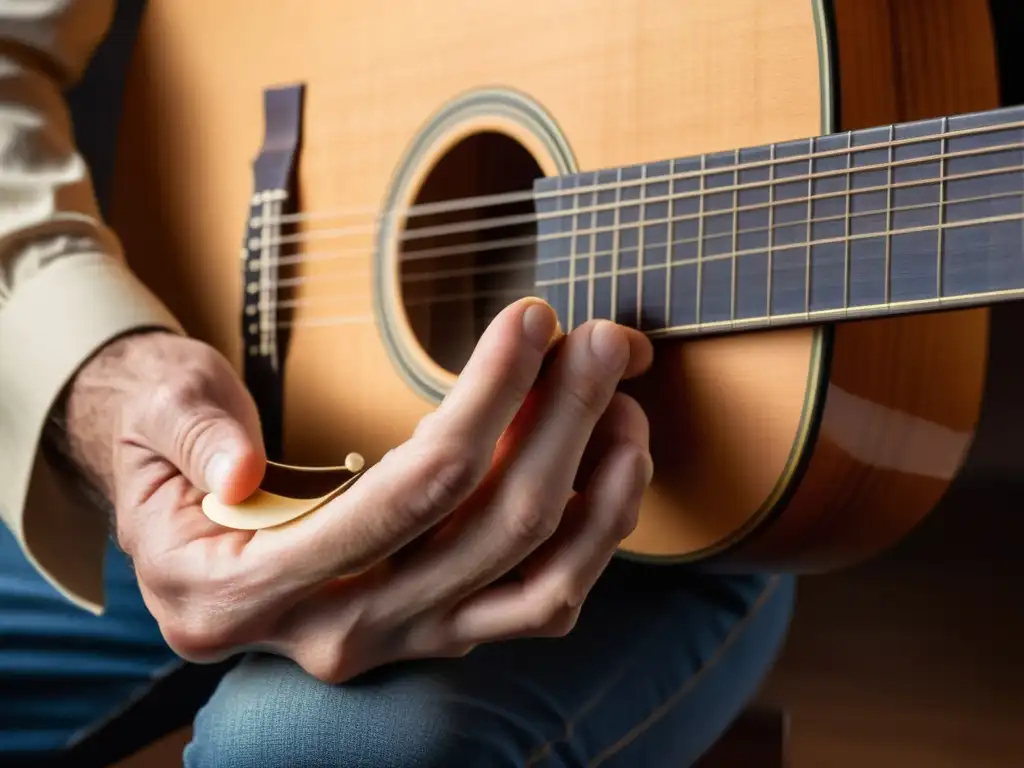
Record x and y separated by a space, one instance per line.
201 419
518 511
498 376
330 634
558 577
623 422
641 353
223 458
426 478
580 387
280 587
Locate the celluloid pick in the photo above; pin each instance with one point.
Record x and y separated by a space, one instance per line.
286 494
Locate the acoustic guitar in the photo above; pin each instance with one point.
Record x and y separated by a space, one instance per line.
811 206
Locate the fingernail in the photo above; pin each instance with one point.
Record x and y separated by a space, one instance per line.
607 344
539 324
217 472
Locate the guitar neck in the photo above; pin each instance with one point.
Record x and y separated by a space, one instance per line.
904 218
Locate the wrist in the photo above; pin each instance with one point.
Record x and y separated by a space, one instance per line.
56 446
85 419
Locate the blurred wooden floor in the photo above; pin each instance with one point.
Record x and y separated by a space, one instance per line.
916 659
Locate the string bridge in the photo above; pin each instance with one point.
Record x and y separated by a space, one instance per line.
287 493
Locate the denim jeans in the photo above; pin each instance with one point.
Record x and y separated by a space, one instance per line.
659 663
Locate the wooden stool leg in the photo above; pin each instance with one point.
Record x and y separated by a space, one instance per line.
756 739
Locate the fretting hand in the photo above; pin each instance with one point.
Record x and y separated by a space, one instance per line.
468 533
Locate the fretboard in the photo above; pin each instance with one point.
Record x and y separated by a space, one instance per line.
903 218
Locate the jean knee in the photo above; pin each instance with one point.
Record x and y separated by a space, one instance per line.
268 712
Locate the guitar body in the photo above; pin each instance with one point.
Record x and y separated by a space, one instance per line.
802 448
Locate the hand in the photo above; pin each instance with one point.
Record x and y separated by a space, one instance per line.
470 532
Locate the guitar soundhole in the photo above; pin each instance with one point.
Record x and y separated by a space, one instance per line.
459 266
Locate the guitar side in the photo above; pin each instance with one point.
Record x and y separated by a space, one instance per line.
903 396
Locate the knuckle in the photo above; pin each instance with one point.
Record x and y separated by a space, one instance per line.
590 389
188 385
333 655
201 622
560 617
197 378
563 623
180 407
329 641
198 635
456 651
533 518
440 647
330 664
556 610
451 472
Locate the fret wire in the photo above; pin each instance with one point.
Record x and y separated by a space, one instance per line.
504 221
615 246
640 246
849 231
942 159
572 265
942 215
700 240
593 268
771 230
861 310
888 225
735 238
750 230
813 243
669 232
909 230
807 268
596 187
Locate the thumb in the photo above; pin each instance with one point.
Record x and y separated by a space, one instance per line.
207 426
223 457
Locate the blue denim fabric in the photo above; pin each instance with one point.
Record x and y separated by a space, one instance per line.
658 665
64 672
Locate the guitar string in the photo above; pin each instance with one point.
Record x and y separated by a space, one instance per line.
476 226
734 169
464 204
477 248
614 274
